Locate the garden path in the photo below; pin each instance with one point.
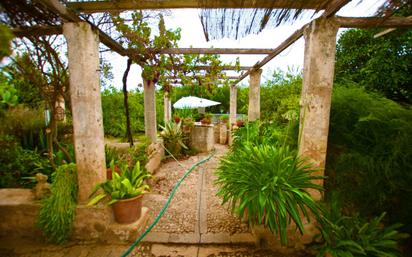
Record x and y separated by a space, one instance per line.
195 223
195 214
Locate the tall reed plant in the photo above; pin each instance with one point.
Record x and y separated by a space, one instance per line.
57 214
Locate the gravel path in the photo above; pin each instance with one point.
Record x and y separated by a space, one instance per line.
195 207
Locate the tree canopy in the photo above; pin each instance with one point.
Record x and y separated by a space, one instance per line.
382 64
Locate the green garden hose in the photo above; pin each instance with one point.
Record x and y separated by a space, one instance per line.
162 211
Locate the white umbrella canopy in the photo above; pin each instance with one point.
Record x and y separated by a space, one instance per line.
193 102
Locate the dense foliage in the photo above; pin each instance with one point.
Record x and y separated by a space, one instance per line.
344 236
369 154
58 211
382 64
368 164
114 119
18 165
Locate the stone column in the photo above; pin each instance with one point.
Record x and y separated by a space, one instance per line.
167 107
254 95
83 55
150 110
233 104
318 74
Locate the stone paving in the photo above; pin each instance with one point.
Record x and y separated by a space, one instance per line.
30 249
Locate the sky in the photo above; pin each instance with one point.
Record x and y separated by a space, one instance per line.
192 35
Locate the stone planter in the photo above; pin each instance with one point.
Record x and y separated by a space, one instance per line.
202 138
128 210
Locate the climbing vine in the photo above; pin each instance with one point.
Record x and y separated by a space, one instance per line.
146 47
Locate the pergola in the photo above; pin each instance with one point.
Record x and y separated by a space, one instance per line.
83 39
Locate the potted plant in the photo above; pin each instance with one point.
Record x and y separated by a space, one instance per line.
124 191
240 123
173 138
207 119
224 118
187 125
176 118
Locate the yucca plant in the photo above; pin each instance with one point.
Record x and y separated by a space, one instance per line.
173 138
268 185
126 184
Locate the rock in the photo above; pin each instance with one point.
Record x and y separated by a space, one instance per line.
42 188
155 153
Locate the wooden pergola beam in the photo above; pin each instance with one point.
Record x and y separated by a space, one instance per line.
66 14
203 67
220 78
214 51
370 22
330 10
333 7
285 44
106 6
344 22
37 31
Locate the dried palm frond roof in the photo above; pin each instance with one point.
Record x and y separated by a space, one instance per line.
18 13
237 23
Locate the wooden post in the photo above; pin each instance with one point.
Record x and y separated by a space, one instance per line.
150 110
83 55
254 95
318 73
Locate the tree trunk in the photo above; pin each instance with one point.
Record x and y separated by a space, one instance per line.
126 103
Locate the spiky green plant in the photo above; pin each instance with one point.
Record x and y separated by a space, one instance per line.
173 138
57 213
268 185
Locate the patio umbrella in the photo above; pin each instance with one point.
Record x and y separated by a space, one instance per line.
193 102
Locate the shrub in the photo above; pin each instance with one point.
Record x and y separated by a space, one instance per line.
354 236
184 113
369 155
57 213
26 125
137 153
114 119
257 133
268 185
17 163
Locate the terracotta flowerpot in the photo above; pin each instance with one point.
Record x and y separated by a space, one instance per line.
128 210
205 121
240 123
176 119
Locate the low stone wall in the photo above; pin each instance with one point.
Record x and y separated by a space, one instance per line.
19 209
